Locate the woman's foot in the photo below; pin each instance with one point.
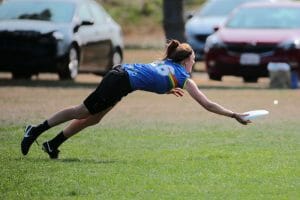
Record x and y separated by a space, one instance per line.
30 135
52 152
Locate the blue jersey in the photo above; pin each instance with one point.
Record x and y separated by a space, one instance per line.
159 77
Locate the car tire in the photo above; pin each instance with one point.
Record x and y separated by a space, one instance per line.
21 75
70 69
215 77
116 57
250 79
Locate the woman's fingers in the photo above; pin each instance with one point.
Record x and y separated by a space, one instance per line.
178 92
240 118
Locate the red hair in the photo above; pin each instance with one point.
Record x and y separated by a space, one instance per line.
177 51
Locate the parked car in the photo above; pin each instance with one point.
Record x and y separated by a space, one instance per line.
255 35
212 14
57 36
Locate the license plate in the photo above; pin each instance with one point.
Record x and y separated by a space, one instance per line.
249 59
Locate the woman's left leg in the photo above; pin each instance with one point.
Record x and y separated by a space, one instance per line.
77 125
51 147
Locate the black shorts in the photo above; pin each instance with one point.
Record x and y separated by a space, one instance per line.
110 91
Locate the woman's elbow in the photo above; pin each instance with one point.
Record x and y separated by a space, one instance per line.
207 105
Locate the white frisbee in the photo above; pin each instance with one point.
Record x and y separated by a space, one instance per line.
253 114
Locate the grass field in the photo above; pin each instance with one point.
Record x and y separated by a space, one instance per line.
152 146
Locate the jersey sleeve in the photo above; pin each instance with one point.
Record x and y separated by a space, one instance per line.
184 83
183 77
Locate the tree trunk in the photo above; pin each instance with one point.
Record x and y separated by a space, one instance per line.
173 22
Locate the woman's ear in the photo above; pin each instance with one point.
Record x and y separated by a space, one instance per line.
183 63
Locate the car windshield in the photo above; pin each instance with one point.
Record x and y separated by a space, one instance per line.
60 12
219 7
265 18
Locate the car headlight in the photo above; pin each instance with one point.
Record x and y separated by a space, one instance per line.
213 42
290 44
58 35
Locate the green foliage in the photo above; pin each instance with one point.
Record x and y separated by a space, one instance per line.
193 4
132 14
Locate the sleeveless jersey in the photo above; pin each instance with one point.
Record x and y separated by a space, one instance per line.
159 77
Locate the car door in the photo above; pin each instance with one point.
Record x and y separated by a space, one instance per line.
93 55
103 29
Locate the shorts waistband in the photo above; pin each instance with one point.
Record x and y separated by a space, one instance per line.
119 69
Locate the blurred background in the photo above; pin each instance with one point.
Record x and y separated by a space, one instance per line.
98 34
142 22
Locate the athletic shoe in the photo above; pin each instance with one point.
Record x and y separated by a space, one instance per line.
53 153
28 139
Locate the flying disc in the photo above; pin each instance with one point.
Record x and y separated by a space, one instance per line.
253 114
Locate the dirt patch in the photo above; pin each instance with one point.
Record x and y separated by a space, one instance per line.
145 38
24 102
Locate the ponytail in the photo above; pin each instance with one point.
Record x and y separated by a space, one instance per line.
177 51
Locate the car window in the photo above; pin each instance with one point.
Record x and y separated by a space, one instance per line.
98 13
84 12
219 7
32 10
266 17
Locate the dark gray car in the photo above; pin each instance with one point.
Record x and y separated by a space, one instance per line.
57 36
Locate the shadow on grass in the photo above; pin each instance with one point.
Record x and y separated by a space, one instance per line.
46 83
92 161
69 160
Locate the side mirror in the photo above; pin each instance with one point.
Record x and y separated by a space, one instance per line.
87 23
216 28
188 15
82 23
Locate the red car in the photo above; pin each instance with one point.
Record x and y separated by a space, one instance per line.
254 36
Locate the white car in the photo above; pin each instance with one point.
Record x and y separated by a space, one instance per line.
58 36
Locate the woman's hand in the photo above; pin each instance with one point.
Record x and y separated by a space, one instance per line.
240 118
178 92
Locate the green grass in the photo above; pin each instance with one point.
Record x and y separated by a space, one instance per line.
157 160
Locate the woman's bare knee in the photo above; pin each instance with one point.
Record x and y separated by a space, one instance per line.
80 112
95 119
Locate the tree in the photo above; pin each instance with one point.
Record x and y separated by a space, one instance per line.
173 22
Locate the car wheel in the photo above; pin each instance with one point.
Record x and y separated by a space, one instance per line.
215 77
116 58
20 75
250 79
70 70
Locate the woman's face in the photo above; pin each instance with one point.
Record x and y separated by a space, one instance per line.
189 62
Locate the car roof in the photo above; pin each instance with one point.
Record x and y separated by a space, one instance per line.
75 1
272 4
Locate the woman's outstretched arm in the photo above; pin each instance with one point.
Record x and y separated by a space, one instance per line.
211 106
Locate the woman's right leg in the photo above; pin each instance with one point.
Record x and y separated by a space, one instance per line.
51 147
